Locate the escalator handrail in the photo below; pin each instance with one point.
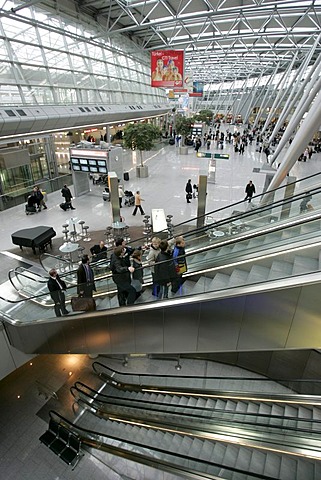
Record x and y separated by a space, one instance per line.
214 377
110 399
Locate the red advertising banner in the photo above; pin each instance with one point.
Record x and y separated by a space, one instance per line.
167 68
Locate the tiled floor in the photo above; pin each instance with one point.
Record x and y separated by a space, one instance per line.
164 188
21 455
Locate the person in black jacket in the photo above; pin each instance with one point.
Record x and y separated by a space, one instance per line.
121 276
85 278
249 190
66 193
165 271
188 190
56 287
99 251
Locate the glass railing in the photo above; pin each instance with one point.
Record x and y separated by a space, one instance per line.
256 259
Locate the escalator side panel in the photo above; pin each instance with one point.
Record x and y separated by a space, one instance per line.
277 319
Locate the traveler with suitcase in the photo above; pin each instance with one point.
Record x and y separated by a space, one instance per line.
85 278
66 193
56 287
126 293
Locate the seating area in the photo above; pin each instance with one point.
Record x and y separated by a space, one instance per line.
63 443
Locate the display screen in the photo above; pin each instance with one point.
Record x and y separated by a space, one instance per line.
84 168
76 167
92 162
102 163
94 169
102 170
83 161
75 160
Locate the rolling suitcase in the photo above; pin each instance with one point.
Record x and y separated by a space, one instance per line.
65 206
171 141
30 210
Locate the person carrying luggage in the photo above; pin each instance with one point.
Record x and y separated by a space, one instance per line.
66 193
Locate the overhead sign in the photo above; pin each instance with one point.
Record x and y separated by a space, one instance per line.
197 90
167 68
221 156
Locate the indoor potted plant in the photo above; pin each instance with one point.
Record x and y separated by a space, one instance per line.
141 137
183 128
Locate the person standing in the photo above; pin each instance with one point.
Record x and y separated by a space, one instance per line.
165 272
66 193
126 293
121 195
56 287
138 273
249 190
151 259
189 190
180 263
138 200
85 278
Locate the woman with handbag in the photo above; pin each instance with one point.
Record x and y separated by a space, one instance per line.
180 263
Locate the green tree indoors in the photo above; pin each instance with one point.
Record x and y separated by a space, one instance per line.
141 137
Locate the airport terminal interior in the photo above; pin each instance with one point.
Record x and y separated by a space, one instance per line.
221 380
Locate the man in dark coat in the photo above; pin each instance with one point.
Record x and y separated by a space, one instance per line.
121 276
85 278
165 271
249 190
188 190
56 287
66 193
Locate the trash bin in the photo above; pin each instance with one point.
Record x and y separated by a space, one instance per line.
126 176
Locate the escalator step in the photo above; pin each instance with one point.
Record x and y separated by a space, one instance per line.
303 264
280 269
238 277
305 469
258 462
272 465
288 468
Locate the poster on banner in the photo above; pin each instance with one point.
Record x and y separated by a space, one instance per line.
167 68
197 89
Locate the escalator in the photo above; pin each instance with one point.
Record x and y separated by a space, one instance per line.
227 433
257 288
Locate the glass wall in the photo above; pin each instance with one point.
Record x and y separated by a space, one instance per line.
46 58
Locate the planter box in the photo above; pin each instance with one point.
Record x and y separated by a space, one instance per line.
142 172
183 150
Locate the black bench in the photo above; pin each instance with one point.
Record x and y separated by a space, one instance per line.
62 442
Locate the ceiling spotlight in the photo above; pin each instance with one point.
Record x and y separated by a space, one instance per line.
178 367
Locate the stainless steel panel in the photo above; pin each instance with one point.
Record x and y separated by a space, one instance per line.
122 333
181 324
97 333
220 324
149 331
306 327
267 319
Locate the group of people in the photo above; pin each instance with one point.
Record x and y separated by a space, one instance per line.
167 265
36 199
57 286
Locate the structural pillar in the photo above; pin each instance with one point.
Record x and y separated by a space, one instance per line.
114 197
201 204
